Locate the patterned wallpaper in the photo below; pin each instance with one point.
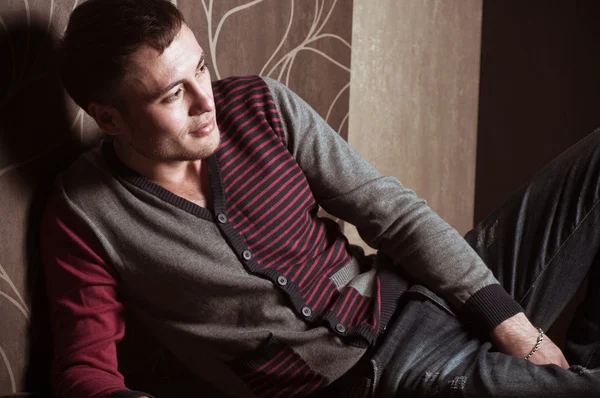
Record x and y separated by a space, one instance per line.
303 43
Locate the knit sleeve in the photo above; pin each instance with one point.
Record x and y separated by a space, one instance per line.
388 216
85 315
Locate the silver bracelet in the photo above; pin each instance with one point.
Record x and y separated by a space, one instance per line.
537 344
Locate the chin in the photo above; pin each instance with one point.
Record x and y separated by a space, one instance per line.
208 147
214 142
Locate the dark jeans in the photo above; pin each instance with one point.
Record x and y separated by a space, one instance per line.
540 245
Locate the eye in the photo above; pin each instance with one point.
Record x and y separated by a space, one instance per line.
202 69
175 96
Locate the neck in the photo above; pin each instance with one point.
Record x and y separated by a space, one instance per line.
188 179
171 173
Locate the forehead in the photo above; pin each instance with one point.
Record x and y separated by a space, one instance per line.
148 70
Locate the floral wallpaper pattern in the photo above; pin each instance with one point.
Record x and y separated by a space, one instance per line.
303 43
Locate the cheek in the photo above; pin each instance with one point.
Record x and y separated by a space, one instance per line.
208 89
167 120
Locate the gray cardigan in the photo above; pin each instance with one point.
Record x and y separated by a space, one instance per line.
209 315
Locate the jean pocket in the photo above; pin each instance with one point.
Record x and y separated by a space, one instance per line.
274 369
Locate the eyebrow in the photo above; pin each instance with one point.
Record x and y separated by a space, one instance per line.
162 92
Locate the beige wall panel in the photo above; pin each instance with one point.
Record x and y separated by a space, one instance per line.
414 93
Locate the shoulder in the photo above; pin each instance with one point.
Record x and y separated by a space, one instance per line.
86 171
252 86
89 185
238 86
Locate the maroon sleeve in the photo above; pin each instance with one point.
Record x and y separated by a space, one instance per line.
86 318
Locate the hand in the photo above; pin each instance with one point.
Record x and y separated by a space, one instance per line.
516 336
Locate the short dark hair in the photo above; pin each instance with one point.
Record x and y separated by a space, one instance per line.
99 37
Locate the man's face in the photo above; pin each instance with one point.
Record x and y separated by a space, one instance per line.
168 109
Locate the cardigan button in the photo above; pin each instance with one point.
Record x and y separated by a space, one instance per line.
246 255
340 328
281 280
306 311
222 218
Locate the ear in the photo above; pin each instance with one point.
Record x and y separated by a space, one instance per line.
107 117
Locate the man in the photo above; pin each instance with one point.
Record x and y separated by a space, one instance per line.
197 215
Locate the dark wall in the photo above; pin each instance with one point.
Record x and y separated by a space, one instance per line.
539 89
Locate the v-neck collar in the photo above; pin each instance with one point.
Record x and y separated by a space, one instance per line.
133 177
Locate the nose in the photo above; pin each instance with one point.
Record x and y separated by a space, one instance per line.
201 100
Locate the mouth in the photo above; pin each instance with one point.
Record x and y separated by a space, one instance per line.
204 129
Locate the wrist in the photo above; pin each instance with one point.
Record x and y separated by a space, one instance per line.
516 335
537 345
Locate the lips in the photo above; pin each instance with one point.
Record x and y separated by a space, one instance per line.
205 129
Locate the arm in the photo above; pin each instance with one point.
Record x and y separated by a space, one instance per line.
85 315
392 219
